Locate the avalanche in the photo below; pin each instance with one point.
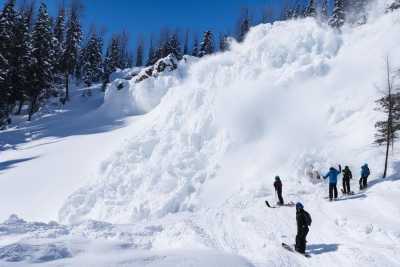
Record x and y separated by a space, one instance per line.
185 185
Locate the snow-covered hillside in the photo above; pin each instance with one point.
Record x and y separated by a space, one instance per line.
185 184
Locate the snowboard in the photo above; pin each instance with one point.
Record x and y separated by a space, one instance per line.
351 192
289 204
291 249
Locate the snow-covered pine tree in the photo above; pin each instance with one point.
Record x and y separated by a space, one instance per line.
92 60
59 37
23 61
338 15
43 56
115 53
394 5
324 10
244 25
207 45
186 44
195 49
150 52
390 105
139 53
223 42
173 47
124 54
112 59
311 10
7 58
71 45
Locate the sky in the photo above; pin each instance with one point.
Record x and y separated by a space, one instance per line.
146 17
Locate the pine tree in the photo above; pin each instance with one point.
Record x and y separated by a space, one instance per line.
116 53
23 59
92 60
71 45
8 18
324 10
207 45
139 53
151 52
223 42
112 60
390 105
186 44
395 5
195 49
310 10
124 54
244 25
338 15
59 36
173 47
43 56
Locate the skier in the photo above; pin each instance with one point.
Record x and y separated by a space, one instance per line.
347 175
278 189
303 219
333 174
365 172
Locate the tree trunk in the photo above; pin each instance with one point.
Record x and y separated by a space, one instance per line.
21 103
32 108
66 87
389 133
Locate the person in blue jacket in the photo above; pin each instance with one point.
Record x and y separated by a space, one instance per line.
365 172
333 177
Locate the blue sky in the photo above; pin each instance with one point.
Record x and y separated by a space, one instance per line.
149 16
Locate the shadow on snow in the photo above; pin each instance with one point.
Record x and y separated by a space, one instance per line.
317 249
4 165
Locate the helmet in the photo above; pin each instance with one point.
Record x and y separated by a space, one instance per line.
299 205
277 178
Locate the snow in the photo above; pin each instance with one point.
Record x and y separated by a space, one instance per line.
184 183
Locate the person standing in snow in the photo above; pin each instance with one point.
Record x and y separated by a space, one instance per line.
347 175
365 172
303 220
278 189
333 175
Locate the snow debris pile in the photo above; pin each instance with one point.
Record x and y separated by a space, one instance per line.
292 78
139 90
84 244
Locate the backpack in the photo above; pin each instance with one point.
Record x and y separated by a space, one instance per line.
307 218
367 171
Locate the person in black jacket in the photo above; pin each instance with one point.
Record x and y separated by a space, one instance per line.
303 219
347 175
278 189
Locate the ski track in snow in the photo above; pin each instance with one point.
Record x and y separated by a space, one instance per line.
185 184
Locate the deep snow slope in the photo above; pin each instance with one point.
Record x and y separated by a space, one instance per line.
185 184
294 95
43 161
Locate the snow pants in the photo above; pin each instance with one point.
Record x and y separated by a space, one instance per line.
301 239
346 185
332 191
279 193
363 182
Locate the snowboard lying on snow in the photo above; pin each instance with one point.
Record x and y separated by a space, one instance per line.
291 249
289 204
